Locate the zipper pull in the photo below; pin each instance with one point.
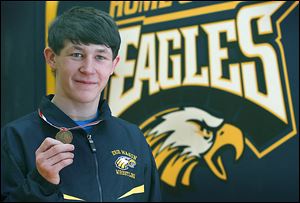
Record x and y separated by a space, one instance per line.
92 144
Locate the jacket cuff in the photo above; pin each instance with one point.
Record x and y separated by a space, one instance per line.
45 186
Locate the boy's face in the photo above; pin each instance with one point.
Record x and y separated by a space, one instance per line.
82 71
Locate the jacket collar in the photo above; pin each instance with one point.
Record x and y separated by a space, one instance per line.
58 118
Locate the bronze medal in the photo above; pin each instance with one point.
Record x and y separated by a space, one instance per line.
64 136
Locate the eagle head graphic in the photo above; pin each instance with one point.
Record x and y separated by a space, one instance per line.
181 138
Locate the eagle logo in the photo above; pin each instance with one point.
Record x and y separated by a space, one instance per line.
181 137
123 162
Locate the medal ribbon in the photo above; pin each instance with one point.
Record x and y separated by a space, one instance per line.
64 128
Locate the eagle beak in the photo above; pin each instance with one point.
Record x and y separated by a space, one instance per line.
227 135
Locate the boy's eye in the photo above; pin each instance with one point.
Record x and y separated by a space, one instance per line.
100 57
77 55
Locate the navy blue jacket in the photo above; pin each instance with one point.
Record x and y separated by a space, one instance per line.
121 168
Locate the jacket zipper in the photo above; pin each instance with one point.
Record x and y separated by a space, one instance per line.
93 148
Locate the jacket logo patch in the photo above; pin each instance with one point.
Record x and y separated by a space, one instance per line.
125 161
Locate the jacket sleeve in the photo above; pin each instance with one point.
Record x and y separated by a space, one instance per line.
152 180
18 185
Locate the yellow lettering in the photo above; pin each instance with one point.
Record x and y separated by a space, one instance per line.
164 4
130 7
217 54
165 80
144 70
191 77
116 5
272 100
129 36
145 5
163 70
127 8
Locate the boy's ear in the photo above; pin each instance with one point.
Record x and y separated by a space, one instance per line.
115 63
49 57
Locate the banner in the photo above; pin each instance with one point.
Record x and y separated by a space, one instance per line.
214 86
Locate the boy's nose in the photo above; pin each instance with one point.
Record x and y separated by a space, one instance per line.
88 66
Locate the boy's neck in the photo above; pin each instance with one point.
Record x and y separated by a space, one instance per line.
76 111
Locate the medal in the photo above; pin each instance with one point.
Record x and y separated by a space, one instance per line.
64 136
